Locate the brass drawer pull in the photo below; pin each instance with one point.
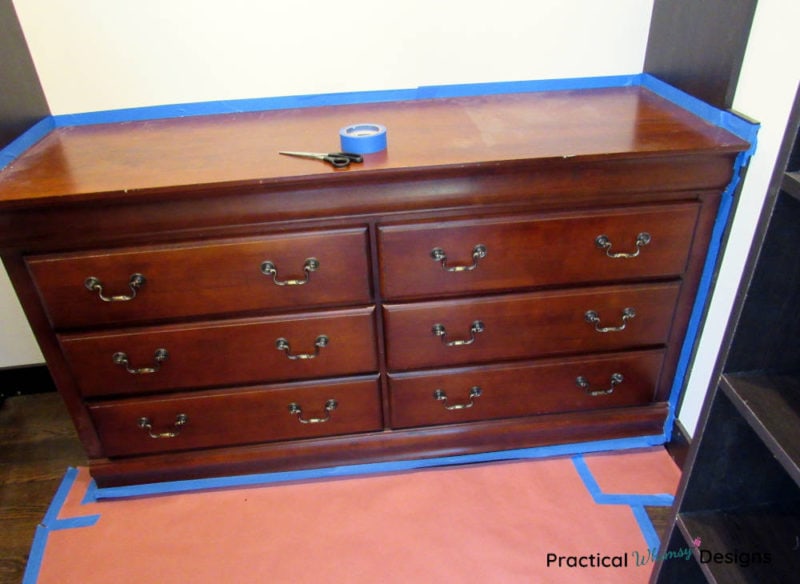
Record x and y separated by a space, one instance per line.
180 420
603 242
296 410
95 285
283 345
159 357
478 253
616 379
439 331
268 269
593 318
474 393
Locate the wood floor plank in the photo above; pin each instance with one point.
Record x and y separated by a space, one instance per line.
37 444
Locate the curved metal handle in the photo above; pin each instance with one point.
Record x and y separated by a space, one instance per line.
180 420
268 269
593 318
439 331
159 357
478 253
135 282
583 383
604 243
474 393
283 345
296 410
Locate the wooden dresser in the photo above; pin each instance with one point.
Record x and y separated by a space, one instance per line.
515 270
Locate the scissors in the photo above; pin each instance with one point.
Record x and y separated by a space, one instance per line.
336 159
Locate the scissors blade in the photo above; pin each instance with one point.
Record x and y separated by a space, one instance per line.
314 155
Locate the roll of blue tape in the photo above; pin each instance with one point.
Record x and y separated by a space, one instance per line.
363 138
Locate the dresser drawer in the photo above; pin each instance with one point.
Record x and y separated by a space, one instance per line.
519 326
503 253
468 394
223 353
243 416
304 269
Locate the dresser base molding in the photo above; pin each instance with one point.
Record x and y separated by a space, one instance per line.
389 446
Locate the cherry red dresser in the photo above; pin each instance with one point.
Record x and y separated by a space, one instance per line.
514 270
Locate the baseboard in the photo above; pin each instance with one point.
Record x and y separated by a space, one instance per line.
25 380
678 446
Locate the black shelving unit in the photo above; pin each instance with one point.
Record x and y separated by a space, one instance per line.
739 496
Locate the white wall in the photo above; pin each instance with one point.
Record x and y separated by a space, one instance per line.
17 345
107 54
766 89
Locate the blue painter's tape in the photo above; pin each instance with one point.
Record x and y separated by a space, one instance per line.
747 131
363 138
235 106
36 555
51 522
344 98
35 133
97 493
636 502
656 500
94 493
61 495
707 280
528 86
11 152
647 529
88 496
724 119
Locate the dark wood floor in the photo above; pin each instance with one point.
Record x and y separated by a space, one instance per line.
38 443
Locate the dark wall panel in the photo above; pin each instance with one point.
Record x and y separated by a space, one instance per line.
22 101
698 46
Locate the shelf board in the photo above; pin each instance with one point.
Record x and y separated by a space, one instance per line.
771 405
791 183
761 542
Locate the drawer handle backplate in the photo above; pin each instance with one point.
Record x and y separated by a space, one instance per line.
474 393
122 360
296 410
268 269
135 282
439 331
478 253
180 421
604 243
283 345
592 317
583 383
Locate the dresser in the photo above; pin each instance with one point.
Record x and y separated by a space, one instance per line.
515 270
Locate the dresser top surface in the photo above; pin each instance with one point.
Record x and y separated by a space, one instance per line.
242 148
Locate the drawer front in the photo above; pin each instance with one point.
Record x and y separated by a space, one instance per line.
504 253
223 353
250 415
519 326
204 279
464 395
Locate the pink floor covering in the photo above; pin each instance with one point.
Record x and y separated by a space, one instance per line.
482 523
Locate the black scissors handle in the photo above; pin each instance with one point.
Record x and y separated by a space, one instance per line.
342 159
335 159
